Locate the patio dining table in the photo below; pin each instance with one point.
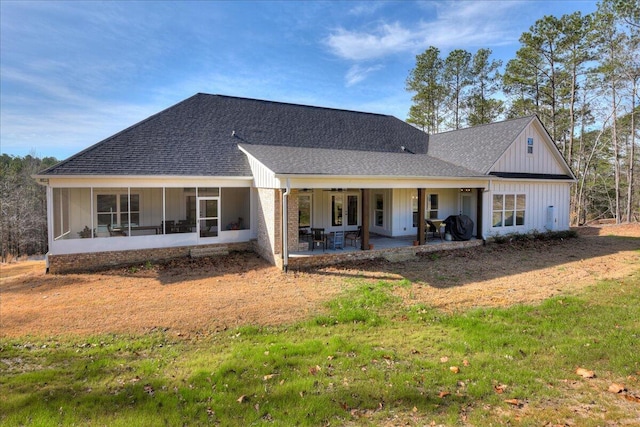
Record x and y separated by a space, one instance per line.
438 223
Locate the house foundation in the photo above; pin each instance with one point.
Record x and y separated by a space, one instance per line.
96 261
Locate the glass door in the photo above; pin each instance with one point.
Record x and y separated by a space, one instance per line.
208 216
345 211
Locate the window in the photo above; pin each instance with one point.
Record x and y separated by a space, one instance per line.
114 209
529 145
432 206
379 210
508 210
304 210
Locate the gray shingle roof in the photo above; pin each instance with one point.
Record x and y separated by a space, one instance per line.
200 136
330 162
194 137
478 147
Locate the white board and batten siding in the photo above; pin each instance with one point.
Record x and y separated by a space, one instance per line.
545 158
547 206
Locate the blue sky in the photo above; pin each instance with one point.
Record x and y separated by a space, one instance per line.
73 73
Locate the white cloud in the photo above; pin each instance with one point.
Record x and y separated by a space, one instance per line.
358 73
362 45
366 8
456 25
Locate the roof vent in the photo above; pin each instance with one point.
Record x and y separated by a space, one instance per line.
406 150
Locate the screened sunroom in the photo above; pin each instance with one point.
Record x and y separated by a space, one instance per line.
140 217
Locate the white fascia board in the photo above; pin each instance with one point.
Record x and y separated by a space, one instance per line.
147 181
499 178
320 181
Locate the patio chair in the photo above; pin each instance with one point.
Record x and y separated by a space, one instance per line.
430 228
318 236
354 236
168 226
337 240
115 232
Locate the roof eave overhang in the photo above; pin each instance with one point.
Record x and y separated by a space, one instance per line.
378 181
497 178
177 177
284 176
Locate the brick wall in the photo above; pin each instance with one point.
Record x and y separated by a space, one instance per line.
292 221
268 228
78 263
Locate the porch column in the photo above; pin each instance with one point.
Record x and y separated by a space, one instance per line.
366 196
479 197
422 204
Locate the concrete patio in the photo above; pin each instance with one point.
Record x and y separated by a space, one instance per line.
389 248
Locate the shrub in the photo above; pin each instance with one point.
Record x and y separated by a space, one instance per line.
534 236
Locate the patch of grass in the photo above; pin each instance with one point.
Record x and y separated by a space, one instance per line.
369 361
365 303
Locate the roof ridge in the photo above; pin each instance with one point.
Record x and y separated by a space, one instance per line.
293 104
530 117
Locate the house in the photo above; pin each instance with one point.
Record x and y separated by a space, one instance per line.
214 173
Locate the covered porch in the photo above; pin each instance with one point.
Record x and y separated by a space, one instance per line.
329 226
390 248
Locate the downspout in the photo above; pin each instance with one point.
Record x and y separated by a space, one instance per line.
285 227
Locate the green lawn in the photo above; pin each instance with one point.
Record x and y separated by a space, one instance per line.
369 361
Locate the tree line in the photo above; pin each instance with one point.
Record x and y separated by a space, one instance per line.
23 206
578 73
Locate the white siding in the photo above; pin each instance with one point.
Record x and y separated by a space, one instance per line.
539 196
544 159
402 208
402 216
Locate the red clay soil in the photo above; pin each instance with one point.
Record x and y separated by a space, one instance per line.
189 297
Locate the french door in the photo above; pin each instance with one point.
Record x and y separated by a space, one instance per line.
345 210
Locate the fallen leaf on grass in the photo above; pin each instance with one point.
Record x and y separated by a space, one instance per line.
454 369
617 388
443 394
444 359
514 402
314 369
500 388
632 397
268 377
585 373
242 399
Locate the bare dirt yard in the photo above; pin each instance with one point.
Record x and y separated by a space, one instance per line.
189 297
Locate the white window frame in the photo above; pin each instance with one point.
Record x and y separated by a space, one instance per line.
118 212
505 212
433 213
310 197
